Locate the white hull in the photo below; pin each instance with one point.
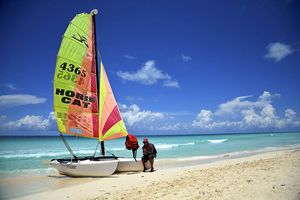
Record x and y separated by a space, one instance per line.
86 168
130 165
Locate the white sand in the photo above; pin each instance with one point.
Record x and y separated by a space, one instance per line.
273 175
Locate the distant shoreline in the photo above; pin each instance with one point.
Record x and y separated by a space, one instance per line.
167 135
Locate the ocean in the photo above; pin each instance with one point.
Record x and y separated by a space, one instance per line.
31 155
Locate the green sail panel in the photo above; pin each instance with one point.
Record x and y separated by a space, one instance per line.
75 86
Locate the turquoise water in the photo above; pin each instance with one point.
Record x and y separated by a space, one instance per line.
21 155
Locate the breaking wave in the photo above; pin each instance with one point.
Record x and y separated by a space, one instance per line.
65 153
44 154
262 150
26 172
33 155
117 149
170 146
217 141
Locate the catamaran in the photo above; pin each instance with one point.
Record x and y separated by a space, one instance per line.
84 103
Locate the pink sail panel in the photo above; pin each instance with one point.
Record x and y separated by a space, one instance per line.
112 119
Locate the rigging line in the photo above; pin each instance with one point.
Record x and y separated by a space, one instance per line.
77 147
99 92
96 148
110 153
99 55
67 145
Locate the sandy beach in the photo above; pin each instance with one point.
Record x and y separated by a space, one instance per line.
272 175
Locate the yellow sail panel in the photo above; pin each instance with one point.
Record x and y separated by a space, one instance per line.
116 131
111 123
75 87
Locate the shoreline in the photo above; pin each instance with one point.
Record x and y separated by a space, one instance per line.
108 187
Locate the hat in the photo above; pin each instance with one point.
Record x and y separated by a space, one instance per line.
145 140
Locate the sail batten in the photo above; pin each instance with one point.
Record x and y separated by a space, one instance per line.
83 108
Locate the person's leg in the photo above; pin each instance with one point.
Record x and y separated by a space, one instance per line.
144 165
134 151
143 161
151 163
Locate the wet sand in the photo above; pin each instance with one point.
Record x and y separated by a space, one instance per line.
273 175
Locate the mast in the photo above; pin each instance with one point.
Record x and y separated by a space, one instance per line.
94 12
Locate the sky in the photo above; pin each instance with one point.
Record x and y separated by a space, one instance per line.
176 67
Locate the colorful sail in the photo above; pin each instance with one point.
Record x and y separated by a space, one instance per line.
76 95
111 123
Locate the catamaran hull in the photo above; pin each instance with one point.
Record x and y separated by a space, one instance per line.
86 168
130 165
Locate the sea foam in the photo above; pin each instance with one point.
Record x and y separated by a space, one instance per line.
44 154
170 146
217 141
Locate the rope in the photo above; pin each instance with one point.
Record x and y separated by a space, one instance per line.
68 147
96 149
111 153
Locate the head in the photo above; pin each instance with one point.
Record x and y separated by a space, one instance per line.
145 141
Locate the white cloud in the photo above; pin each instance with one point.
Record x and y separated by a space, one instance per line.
171 83
134 116
242 114
278 51
13 100
149 74
261 118
290 114
29 122
186 58
234 107
129 57
10 86
203 118
250 118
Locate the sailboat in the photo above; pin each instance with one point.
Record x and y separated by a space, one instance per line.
84 103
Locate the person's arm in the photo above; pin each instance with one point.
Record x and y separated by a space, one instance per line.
151 149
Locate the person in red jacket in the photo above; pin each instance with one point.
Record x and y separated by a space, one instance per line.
132 143
149 153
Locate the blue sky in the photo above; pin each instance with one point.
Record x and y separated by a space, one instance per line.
175 66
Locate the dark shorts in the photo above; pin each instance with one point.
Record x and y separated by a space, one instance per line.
148 157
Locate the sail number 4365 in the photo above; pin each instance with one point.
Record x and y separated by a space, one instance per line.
72 69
